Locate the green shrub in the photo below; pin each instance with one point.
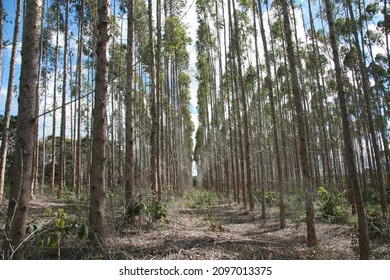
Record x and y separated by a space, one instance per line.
154 212
270 197
51 234
295 206
332 207
377 226
201 199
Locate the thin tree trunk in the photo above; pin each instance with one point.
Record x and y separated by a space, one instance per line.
367 93
98 168
347 137
129 166
53 139
153 109
7 111
43 170
61 175
306 174
22 170
38 93
269 84
79 169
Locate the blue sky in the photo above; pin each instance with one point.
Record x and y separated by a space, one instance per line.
8 30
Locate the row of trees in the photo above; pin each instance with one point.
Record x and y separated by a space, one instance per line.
274 81
104 99
294 94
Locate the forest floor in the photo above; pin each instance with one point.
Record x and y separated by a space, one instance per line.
221 231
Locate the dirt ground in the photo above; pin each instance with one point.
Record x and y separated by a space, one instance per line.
225 232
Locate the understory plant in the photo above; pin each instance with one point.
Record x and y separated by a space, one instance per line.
332 206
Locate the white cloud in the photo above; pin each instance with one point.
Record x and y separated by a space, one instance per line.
14 103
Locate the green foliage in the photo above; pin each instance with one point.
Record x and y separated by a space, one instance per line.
378 227
194 181
136 210
332 207
373 197
270 197
32 228
83 231
157 212
295 206
50 235
201 199
154 212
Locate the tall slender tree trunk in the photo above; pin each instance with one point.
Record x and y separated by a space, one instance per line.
129 166
22 169
158 100
300 114
7 111
79 169
244 101
98 168
61 174
53 139
43 168
275 134
367 92
38 93
153 108
349 152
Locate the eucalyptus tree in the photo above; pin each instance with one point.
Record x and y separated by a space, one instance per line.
274 120
300 115
55 9
204 45
244 103
129 160
7 111
367 92
22 170
153 109
62 158
176 62
347 137
79 77
98 168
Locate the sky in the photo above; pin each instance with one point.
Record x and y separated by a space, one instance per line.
8 30
189 17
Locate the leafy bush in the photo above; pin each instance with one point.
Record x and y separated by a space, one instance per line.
154 212
157 212
201 199
50 235
295 206
377 226
332 207
270 197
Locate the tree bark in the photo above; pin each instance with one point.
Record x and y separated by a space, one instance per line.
300 114
22 169
347 138
367 92
79 170
61 175
275 133
129 166
8 102
153 109
98 168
